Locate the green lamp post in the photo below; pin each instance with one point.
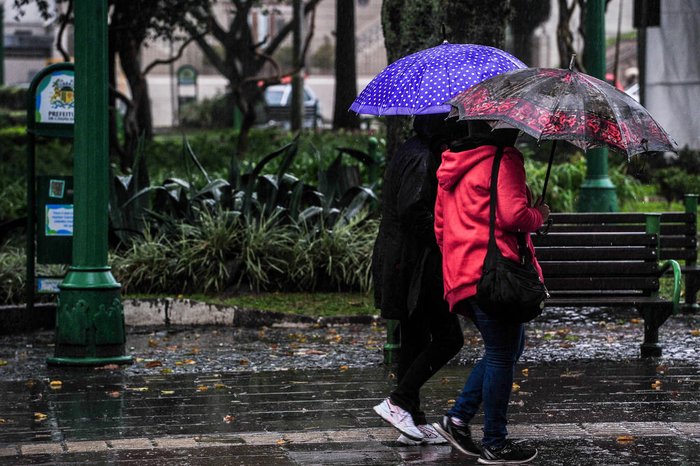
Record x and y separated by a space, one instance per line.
89 315
597 191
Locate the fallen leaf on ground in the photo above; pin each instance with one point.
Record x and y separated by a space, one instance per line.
281 441
635 321
244 362
656 385
314 351
138 389
695 332
189 361
516 387
167 392
3 421
526 372
171 348
202 388
3 362
219 386
571 375
343 368
40 417
108 367
444 381
55 384
228 419
625 439
166 371
451 402
113 394
193 351
152 343
152 364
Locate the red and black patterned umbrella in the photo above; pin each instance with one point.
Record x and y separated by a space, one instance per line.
558 104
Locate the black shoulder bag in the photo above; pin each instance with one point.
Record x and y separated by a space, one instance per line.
509 291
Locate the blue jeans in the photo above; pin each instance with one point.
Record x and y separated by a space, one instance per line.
491 380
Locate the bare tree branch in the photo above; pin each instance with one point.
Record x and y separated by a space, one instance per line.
59 38
175 57
284 32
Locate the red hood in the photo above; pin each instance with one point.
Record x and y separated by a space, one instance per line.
455 164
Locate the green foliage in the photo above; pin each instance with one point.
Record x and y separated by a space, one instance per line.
566 178
13 98
259 230
207 113
674 182
12 274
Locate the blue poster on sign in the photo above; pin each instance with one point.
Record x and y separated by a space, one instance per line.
59 220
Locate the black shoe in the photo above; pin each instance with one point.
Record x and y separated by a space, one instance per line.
510 453
459 436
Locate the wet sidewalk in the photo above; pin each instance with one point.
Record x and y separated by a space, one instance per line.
302 395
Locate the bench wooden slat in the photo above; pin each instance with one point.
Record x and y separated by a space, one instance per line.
600 269
603 301
594 253
600 239
666 229
677 242
598 283
682 254
618 217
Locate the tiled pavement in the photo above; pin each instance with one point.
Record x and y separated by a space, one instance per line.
576 413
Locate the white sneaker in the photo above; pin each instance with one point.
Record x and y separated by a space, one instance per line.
399 418
430 437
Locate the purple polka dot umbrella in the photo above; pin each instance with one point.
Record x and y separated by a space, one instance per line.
422 83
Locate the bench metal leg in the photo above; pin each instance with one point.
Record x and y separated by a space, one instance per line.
653 319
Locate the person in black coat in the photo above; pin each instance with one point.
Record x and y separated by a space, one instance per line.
407 273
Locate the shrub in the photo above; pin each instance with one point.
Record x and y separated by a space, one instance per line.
13 98
674 182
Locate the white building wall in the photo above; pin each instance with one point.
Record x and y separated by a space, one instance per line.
673 71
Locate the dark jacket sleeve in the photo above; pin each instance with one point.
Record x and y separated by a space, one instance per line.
416 201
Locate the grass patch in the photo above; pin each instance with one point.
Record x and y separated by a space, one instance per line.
308 304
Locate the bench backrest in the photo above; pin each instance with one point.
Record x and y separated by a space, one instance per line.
598 263
677 231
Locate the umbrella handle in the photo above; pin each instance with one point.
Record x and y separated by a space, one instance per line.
549 169
545 228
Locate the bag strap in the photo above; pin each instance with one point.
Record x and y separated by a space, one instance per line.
523 250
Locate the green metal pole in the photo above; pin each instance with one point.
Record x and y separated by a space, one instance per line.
597 191
90 316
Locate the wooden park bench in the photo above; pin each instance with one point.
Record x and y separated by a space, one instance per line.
588 261
678 236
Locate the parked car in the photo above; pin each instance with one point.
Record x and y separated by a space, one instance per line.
278 99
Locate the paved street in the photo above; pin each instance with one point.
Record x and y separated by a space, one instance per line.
207 396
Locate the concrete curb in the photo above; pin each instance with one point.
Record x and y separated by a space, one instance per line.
171 311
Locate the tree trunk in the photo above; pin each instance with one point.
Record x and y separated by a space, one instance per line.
413 25
137 122
345 70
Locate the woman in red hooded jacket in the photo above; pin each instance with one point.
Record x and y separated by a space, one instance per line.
462 233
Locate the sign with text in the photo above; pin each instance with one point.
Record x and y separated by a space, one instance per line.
59 220
55 98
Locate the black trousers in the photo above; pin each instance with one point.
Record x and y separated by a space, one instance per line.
430 337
